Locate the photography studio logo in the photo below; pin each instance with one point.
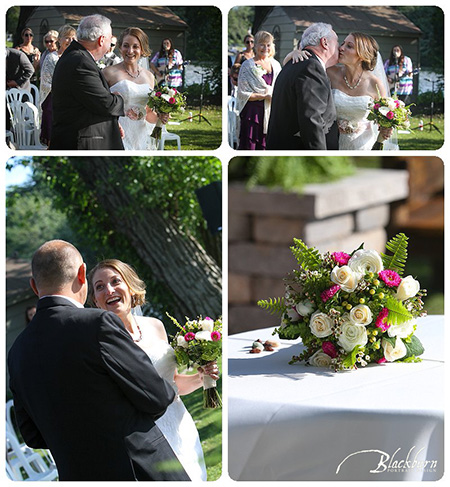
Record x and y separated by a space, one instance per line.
396 462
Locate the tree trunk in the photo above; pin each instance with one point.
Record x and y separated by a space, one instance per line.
174 258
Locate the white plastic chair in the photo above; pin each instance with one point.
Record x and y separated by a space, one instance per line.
26 129
34 90
232 122
14 96
168 136
22 462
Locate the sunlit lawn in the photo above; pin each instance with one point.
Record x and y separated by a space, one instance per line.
427 139
198 134
209 426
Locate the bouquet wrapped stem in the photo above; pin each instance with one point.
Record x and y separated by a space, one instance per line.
156 133
378 143
211 396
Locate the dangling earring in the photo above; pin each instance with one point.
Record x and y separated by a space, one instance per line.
133 300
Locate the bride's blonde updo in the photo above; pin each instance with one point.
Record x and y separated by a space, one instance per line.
366 48
140 35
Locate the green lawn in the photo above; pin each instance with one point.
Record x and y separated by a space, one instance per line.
198 134
427 139
209 426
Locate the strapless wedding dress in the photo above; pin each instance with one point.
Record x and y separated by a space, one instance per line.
137 132
355 131
176 424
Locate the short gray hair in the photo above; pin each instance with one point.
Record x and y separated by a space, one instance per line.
92 27
315 32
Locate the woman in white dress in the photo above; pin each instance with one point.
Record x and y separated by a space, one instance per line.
114 286
129 79
355 82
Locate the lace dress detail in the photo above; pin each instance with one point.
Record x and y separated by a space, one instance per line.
137 132
355 131
176 424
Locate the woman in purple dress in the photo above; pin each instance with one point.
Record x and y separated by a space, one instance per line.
254 95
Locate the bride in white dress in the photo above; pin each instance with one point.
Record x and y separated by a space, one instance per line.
129 79
114 286
358 79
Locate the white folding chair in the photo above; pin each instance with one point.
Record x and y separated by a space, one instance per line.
26 128
25 463
14 96
34 90
165 136
232 122
22 462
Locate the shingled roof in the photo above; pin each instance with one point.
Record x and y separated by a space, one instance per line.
370 20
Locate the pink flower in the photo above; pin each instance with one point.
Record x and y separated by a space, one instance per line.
158 93
390 115
341 257
329 293
381 321
172 100
397 104
390 278
381 361
329 349
376 106
215 336
189 336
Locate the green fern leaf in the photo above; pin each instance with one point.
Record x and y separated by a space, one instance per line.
275 305
398 314
307 257
398 245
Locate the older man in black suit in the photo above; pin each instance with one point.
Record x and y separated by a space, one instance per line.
85 113
82 388
303 115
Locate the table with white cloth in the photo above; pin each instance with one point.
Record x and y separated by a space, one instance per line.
298 422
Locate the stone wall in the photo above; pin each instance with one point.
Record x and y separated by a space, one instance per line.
331 216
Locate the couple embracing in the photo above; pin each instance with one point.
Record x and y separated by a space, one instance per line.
96 109
318 104
98 386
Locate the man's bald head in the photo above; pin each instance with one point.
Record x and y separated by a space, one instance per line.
55 266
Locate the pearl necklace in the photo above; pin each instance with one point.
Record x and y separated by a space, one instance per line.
139 330
357 83
134 76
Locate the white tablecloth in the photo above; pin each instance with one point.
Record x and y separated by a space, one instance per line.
294 422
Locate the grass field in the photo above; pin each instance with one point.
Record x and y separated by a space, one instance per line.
198 134
427 139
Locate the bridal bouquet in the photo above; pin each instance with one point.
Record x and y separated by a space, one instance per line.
389 112
197 343
351 309
165 100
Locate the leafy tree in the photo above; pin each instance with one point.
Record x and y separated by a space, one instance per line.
431 21
144 211
204 44
240 20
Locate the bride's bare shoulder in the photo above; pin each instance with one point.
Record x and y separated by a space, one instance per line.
112 74
334 72
153 324
149 77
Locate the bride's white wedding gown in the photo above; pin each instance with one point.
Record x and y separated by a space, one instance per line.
137 132
356 132
176 424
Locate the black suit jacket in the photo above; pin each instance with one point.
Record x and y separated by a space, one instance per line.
86 391
85 113
303 115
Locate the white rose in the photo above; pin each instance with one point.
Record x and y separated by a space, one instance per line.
181 342
408 288
363 261
320 324
345 278
304 308
166 97
352 335
390 353
293 315
207 325
361 315
171 92
402 330
203 335
320 359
